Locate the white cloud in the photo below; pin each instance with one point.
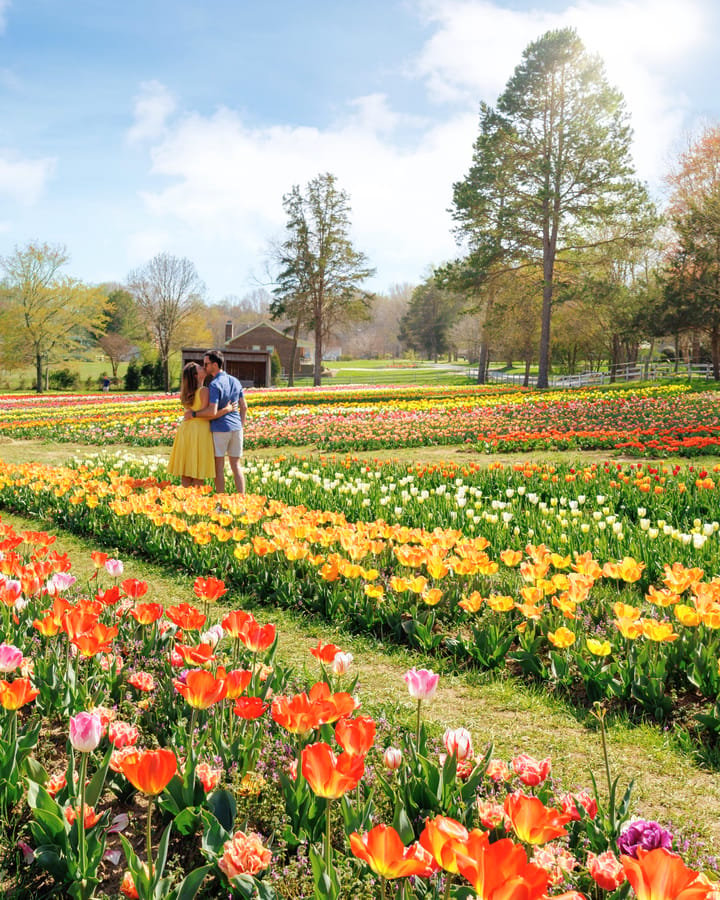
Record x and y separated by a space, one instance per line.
224 180
228 181
24 179
153 106
477 45
4 6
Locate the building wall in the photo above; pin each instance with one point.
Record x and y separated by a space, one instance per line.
263 337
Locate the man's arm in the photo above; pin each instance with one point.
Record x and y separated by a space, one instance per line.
242 408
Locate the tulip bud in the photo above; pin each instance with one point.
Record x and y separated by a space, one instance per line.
458 742
392 758
86 729
341 663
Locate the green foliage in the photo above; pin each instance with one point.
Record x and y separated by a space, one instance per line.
551 166
319 270
132 378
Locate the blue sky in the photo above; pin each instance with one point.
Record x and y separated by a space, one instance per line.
127 129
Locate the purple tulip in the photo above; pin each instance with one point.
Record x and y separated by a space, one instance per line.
643 834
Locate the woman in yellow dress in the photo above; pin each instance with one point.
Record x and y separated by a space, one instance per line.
193 455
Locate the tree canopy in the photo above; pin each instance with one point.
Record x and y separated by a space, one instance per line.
551 170
319 272
44 313
169 293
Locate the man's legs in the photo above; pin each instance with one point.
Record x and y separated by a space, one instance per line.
219 474
238 473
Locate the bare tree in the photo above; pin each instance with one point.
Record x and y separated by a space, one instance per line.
168 291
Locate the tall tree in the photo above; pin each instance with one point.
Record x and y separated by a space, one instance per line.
45 312
169 292
550 165
320 273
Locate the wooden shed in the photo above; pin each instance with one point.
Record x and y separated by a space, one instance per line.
265 336
251 367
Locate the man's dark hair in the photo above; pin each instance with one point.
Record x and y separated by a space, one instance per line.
215 356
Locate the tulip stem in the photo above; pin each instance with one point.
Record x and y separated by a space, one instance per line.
448 886
328 846
148 840
417 727
80 820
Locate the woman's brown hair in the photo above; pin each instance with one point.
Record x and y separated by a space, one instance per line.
190 384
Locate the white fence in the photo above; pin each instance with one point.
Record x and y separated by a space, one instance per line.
625 372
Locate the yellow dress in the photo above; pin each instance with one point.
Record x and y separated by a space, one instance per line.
193 452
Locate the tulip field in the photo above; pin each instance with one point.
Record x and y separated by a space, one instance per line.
650 421
161 750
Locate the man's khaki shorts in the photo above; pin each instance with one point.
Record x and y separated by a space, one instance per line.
228 443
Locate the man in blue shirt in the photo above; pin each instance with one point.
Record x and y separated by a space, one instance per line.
227 431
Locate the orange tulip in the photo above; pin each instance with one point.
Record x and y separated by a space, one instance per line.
209 589
47 626
236 680
532 821
146 613
661 875
328 775
442 837
296 714
249 707
258 637
356 736
96 640
77 621
499 871
14 694
134 588
236 622
383 850
201 689
333 706
326 653
202 655
150 771
186 616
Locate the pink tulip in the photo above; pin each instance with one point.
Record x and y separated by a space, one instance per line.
86 729
60 582
422 683
530 770
10 658
458 742
114 567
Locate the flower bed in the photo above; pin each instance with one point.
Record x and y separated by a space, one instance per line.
654 421
145 747
639 630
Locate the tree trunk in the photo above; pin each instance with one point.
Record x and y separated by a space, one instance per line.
715 350
293 353
484 361
38 373
317 372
